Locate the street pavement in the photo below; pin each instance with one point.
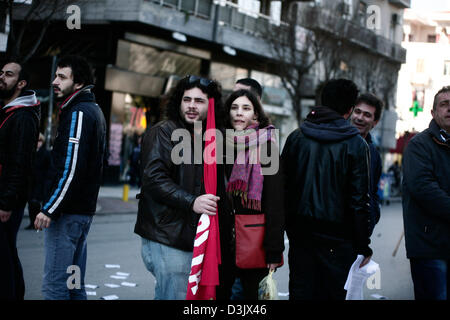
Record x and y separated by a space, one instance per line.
112 240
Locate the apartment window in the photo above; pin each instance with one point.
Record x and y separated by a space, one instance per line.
361 15
249 7
447 68
420 66
345 8
275 12
431 38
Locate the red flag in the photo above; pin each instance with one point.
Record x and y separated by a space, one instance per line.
204 276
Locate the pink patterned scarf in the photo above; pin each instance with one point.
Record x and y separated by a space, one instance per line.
246 180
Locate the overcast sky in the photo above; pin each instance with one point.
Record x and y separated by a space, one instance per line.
431 5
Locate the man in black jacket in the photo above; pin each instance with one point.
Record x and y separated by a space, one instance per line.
365 117
327 201
173 195
426 203
78 156
19 129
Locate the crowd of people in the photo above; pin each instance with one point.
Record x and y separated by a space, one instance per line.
321 189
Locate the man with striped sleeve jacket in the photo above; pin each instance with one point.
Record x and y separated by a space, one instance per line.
78 156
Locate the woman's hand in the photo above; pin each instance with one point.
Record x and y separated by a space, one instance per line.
273 266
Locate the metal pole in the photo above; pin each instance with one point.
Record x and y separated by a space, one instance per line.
215 21
50 105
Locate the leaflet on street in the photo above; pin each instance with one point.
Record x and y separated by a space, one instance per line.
111 297
128 284
357 277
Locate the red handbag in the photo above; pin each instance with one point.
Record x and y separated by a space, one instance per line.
249 230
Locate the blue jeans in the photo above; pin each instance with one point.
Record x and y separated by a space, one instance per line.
430 278
65 245
171 268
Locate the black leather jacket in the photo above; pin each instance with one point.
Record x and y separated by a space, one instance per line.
327 182
168 190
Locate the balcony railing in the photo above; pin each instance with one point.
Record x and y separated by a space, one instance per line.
401 3
315 18
329 22
198 8
229 14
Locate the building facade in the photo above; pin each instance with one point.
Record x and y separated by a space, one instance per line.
427 67
140 48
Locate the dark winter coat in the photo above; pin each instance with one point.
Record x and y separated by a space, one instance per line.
426 195
272 205
42 166
78 156
327 182
375 174
19 132
168 191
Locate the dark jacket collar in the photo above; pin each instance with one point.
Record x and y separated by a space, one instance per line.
82 94
437 133
325 124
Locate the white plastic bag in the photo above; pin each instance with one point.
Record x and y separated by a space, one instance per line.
268 288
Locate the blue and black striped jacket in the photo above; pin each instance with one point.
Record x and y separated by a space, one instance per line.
78 156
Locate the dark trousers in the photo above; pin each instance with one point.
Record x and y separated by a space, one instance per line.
318 271
12 285
249 279
431 279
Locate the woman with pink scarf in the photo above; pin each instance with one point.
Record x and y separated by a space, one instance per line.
252 220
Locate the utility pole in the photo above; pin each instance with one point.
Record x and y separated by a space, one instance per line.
48 134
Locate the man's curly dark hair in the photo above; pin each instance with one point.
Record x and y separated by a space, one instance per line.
213 90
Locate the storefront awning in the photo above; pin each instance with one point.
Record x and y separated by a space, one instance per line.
125 81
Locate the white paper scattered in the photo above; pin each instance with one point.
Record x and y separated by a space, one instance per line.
283 294
111 285
123 274
128 284
378 296
111 297
357 277
91 286
118 277
91 293
112 266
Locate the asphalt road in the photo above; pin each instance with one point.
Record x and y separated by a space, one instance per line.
112 241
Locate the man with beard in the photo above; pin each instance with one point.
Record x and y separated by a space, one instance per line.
19 130
78 156
173 194
365 117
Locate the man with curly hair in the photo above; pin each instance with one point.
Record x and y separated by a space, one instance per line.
173 195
